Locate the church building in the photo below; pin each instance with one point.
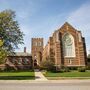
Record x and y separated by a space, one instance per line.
66 47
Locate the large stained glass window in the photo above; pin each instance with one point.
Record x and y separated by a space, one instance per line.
68 45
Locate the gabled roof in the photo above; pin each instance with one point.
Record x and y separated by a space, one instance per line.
21 54
67 24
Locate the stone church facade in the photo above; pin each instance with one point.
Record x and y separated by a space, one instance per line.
66 47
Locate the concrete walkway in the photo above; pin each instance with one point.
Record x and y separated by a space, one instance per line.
39 76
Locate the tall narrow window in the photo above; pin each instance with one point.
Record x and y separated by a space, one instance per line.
25 61
68 45
35 43
40 44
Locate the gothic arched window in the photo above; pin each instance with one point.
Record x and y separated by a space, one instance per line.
39 44
68 45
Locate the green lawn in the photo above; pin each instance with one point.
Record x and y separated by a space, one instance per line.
68 74
27 75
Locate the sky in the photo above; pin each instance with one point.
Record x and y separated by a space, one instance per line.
40 18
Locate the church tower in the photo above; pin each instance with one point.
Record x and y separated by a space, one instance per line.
36 50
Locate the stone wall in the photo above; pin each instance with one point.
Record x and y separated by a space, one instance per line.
55 44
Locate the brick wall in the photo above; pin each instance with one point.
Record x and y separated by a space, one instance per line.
57 47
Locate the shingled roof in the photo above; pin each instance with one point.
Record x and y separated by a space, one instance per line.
21 54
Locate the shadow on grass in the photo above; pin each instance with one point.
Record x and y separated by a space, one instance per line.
17 77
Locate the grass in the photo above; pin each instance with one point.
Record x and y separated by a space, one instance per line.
72 74
22 75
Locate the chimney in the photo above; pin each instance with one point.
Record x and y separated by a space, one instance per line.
24 49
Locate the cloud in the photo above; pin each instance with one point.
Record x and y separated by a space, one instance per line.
23 15
34 23
81 19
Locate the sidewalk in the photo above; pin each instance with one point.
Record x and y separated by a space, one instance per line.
39 76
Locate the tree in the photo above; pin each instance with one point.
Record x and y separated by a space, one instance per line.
10 32
3 55
48 65
1 43
88 58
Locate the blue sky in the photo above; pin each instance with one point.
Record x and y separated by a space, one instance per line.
40 18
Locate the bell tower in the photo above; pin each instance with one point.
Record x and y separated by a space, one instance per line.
36 50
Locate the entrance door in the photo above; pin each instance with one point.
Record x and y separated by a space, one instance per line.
35 63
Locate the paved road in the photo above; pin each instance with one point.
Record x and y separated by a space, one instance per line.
45 85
